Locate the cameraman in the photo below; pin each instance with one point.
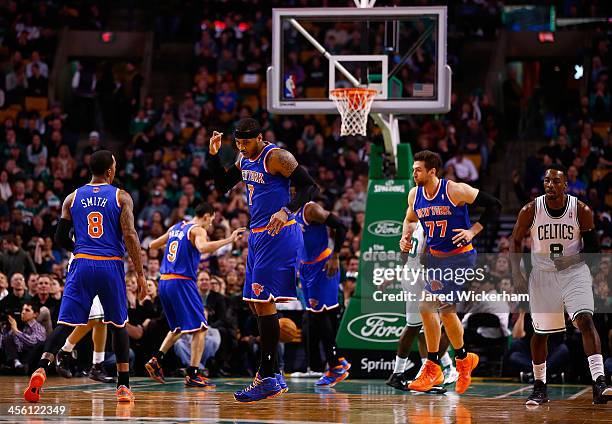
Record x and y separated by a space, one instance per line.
20 345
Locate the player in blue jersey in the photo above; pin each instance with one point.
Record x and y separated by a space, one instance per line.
178 292
320 277
274 241
103 218
441 207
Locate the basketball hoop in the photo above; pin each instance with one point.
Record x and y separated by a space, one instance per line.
354 106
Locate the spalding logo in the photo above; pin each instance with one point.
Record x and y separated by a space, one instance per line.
380 327
386 228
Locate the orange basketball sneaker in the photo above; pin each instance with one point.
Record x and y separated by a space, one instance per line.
464 368
32 393
431 375
124 394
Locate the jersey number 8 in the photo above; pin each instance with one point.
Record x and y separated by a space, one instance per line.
94 225
172 248
556 251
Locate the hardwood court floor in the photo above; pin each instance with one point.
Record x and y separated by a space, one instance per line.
360 401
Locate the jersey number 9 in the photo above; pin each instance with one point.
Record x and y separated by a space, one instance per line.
172 248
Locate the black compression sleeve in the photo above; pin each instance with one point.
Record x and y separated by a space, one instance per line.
492 207
62 234
333 222
305 188
225 180
590 246
590 242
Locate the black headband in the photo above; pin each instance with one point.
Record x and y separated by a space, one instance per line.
247 134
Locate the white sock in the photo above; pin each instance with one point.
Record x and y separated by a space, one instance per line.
423 360
446 360
98 357
400 363
596 366
68 346
539 372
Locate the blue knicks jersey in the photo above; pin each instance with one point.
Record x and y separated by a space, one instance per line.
95 214
180 257
315 237
266 193
439 216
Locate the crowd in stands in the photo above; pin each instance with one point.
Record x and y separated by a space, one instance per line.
163 165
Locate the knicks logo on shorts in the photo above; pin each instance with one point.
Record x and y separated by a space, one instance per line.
257 288
313 303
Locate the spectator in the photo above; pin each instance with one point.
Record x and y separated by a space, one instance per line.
35 60
14 259
64 166
464 168
480 334
153 269
36 152
139 123
226 101
561 152
32 283
575 186
44 298
3 286
189 112
19 346
5 187
84 88
37 83
56 290
157 205
214 302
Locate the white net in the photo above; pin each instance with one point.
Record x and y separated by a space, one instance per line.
354 106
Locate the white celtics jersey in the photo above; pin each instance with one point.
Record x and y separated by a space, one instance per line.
418 247
554 237
412 278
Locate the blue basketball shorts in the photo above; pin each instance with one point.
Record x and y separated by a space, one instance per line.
88 278
182 304
320 291
452 272
272 265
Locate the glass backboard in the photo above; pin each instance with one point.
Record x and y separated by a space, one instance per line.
402 49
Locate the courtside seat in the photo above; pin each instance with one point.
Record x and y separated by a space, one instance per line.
476 160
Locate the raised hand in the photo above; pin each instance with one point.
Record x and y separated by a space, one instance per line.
215 143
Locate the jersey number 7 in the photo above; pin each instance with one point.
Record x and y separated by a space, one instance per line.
432 224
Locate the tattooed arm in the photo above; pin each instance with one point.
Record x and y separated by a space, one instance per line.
281 162
132 243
